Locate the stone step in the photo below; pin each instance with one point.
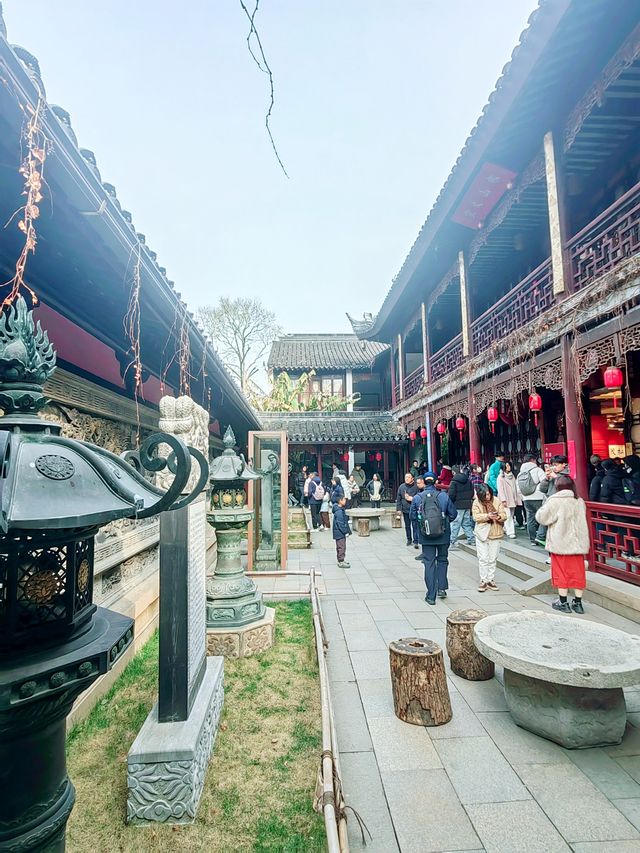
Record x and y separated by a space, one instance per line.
526 553
514 565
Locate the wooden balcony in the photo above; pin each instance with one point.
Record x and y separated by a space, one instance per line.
523 303
447 358
607 240
413 382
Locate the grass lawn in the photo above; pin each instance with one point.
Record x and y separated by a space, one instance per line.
261 779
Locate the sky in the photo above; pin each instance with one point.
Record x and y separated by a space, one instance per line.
373 101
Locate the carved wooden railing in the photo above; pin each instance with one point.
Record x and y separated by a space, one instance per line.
447 358
607 240
413 382
615 540
523 303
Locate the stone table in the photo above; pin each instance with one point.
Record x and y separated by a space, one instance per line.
372 515
563 676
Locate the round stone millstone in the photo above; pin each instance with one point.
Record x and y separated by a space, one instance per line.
559 649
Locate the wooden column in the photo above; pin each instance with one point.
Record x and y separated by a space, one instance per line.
576 445
474 430
562 279
464 307
425 344
394 402
319 455
385 466
400 367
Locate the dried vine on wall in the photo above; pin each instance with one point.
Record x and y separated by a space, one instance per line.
32 170
132 331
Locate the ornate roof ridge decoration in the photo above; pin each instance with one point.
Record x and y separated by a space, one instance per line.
361 327
623 59
27 360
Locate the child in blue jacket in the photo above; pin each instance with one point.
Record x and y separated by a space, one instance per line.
341 530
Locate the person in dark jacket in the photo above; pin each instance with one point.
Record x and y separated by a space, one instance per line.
435 550
595 486
341 530
461 494
315 499
300 481
406 494
337 491
612 490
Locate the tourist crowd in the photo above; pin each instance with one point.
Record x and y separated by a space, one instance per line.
487 506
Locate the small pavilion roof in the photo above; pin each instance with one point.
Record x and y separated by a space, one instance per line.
323 352
335 427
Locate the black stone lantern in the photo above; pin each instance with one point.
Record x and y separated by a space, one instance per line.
55 493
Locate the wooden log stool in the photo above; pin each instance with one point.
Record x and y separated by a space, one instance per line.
363 526
419 682
466 660
396 520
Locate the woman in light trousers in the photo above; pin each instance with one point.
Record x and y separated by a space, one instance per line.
489 514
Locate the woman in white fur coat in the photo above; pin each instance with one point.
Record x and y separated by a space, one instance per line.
565 516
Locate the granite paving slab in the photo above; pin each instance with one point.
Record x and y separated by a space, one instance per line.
373 664
427 814
363 791
478 771
574 804
518 745
481 695
376 697
395 629
607 774
359 640
517 826
401 746
351 724
464 722
630 808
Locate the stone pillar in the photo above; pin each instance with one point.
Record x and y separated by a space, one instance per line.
349 389
464 307
400 367
474 430
562 280
574 427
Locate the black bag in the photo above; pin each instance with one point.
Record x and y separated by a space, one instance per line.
430 516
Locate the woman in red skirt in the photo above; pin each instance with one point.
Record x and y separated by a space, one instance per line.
564 515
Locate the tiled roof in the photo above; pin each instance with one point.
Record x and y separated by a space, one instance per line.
335 427
323 352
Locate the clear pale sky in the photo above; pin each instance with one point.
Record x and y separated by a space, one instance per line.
374 100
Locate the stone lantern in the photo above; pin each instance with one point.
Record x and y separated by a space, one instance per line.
238 623
55 493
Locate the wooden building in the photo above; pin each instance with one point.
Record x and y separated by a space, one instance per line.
94 275
523 284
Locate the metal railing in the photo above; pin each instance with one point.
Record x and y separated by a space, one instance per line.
615 540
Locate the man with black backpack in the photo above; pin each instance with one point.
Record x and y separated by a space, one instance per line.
529 479
433 511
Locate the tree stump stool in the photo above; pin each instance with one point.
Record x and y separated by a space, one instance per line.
396 520
466 660
363 526
419 682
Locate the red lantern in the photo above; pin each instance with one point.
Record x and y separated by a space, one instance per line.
441 428
613 378
535 405
345 457
412 436
423 433
460 425
378 457
492 417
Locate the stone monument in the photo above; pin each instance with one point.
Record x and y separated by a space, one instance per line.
267 556
168 760
238 624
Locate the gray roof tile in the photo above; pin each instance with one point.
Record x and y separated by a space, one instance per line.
335 427
323 352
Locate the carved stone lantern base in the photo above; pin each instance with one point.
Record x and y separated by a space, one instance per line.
243 642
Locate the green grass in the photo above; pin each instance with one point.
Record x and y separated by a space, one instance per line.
261 778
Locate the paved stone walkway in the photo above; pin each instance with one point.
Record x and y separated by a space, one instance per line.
479 782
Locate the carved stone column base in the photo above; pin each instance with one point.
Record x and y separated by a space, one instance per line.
245 641
167 764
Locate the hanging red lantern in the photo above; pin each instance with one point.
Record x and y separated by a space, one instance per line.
460 425
535 405
345 457
441 428
492 417
412 436
613 378
423 433
378 457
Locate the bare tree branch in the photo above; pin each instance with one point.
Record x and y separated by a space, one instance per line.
263 65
